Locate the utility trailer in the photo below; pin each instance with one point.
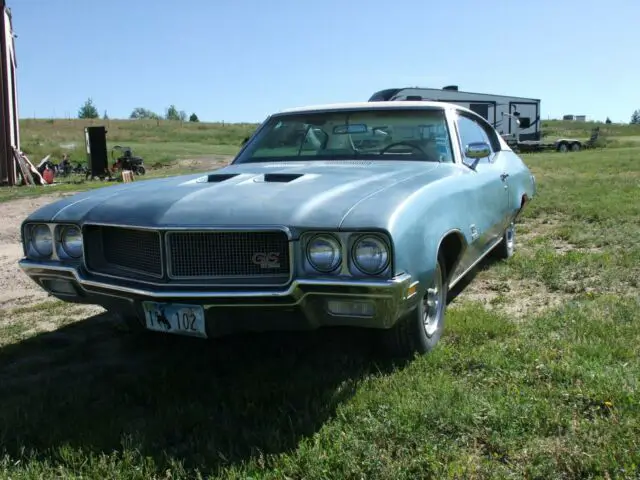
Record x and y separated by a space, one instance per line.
499 110
559 145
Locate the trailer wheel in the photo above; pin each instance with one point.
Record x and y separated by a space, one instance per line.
575 147
563 147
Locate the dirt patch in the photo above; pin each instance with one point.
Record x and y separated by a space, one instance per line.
520 298
531 230
562 247
546 229
16 289
211 162
517 299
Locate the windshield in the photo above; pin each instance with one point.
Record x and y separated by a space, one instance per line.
394 134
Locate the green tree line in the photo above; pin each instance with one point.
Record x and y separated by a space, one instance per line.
89 110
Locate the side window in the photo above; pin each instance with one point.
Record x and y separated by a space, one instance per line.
470 132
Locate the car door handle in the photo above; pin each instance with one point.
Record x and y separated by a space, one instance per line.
504 176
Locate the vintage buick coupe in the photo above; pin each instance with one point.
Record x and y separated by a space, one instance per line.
358 214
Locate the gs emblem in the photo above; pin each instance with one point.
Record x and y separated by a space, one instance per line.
266 259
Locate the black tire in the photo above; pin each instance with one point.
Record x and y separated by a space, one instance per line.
575 147
140 170
412 334
563 147
506 248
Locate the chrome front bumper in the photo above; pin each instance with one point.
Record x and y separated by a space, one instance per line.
303 304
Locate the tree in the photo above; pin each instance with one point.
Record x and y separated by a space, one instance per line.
105 116
182 115
607 121
172 113
194 118
88 110
143 113
635 118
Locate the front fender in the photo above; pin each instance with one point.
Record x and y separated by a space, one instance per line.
423 221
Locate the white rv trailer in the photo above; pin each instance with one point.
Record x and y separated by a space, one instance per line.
489 106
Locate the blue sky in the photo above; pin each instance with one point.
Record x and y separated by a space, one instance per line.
239 60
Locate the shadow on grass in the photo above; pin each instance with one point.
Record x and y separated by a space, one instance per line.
94 388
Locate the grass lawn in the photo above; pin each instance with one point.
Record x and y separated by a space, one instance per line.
536 375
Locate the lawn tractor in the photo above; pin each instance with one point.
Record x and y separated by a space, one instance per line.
127 161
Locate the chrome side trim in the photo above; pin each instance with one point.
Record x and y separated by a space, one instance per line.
476 262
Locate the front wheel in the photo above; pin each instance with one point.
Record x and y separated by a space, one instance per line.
140 170
420 330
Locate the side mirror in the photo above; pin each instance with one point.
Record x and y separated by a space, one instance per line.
476 151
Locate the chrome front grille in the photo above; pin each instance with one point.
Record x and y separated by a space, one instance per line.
210 256
221 254
124 252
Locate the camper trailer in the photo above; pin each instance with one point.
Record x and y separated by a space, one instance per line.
9 128
499 110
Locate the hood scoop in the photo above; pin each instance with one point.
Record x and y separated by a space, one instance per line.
279 177
220 177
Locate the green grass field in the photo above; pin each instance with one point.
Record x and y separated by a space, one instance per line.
157 141
536 375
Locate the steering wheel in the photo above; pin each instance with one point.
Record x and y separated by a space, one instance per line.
411 145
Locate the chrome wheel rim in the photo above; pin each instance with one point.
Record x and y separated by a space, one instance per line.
510 237
433 303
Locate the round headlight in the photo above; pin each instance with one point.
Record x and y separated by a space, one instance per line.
72 241
42 240
371 255
323 253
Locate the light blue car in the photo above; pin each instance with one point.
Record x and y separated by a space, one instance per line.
359 214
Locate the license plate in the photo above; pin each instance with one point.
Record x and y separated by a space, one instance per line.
178 319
